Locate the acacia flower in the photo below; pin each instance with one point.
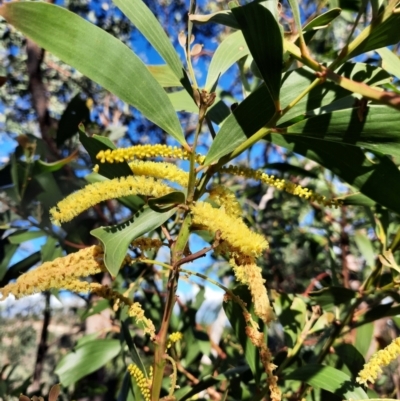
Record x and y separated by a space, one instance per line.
382 358
93 194
145 243
143 152
225 198
280 184
173 338
165 171
140 380
248 273
233 230
55 274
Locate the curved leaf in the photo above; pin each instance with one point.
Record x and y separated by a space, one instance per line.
383 31
264 40
390 61
116 239
98 55
329 379
355 127
232 49
146 22
86 359
224 17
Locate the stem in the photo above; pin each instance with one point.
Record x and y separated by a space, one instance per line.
161 338
192 9
192 171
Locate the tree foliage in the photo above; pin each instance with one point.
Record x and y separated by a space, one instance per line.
288 176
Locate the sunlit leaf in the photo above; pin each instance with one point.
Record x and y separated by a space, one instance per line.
86 359
98 55
230 50
164 75
390 61
116 239
329 379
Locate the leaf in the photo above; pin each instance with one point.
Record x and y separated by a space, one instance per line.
344 126
224 17
231 49
93 146
364 244
87 358
43 167
8 252
332 296
54 392
264 40
167 202
98 55
329 379
146 22
76 112
380 180
390 61
164 75
132 348
350 356
322 20
364 336
236 319
23 236
383 31
257 107
116 239
181 101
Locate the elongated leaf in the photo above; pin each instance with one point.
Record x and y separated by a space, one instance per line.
232 49
18 268
257 109
116 239
323 20
164 75
332 296
8 252
379 181
98 55
329 379
86 359
344 126
182 101
350 357
390 62
146 22
23 236
264 40
224 17
380 34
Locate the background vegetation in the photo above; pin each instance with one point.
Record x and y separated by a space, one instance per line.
331 273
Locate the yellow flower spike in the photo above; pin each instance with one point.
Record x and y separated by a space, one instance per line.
233 230
281 184
226 198
93 194
382 358
143 152
141 381
136 311
248 273
55 274
161 170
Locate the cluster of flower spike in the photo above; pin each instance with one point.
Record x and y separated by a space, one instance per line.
280 184
144 152
382 358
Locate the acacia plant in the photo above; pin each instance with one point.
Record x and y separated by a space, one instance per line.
343 115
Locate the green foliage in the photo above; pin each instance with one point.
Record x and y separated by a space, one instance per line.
330 120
